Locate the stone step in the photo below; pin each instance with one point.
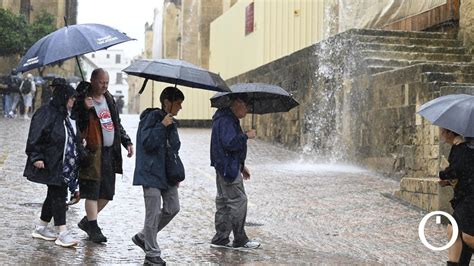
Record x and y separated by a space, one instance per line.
466 89
389 62
459 86
447 77
420 185
416 56
406 34
411 48
425 193
378 69
408 41
414 73
443 66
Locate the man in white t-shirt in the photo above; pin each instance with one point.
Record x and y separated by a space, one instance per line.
99 123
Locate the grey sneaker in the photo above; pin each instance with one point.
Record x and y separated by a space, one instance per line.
65 240
43 232
221 245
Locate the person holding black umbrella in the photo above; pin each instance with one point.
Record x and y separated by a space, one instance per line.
156 134
99 123
228 153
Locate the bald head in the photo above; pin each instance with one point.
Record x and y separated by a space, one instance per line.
99 81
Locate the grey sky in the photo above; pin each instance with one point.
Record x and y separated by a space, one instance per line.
128 16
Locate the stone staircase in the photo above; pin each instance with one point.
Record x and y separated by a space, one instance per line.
399 71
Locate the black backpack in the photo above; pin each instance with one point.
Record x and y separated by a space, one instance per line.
26 88
14 84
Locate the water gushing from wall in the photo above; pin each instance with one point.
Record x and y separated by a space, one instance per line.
323 126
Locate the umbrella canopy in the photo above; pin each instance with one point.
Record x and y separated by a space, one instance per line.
263 98
69 42
454 112
178 72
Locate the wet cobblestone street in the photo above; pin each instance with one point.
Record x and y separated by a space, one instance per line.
301 211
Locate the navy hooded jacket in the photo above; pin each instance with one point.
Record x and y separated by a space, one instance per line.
151 149
228 144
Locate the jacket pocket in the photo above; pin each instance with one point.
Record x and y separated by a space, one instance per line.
231 168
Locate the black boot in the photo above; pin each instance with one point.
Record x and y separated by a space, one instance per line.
450 263
95 234
154 261
84 224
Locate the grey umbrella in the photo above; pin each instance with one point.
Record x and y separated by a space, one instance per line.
178 72
263 98
454 112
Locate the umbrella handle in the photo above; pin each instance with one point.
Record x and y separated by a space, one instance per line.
143 86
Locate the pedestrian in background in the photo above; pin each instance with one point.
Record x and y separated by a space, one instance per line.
120 103
99 124
157 128
52 149
28 89
228 153
12 95
460 175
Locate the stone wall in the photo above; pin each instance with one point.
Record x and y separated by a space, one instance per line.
466 23
171 30
312 75
347 114
59 9
295 75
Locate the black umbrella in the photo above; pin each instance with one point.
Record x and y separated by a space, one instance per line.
68 42
263 98
177 72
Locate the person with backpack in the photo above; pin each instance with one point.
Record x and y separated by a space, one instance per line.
12 93
28 89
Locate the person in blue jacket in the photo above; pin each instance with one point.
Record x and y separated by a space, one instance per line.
156 128
228 153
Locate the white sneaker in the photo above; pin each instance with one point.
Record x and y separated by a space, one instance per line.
250 245
221 246
43 232
65 240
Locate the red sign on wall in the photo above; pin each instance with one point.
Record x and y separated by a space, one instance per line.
249 19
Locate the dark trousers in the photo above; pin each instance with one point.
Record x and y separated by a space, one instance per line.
231 205
55 205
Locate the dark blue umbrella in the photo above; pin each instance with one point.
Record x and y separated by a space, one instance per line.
69 42
177 72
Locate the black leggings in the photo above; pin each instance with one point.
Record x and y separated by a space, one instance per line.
55 205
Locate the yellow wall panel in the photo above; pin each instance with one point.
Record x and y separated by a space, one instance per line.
281 28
